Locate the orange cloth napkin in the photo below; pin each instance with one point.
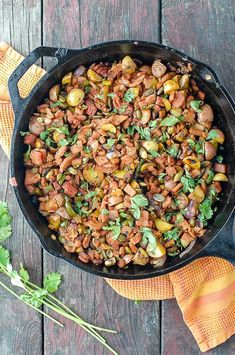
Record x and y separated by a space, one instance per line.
205 289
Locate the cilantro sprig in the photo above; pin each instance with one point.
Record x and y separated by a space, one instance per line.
35 296
136 202
5 222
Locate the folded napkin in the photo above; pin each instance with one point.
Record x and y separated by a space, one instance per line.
204 289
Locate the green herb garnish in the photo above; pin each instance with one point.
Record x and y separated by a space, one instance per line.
219 158
104 211
129 95
90 194
149 238
173 151
188 184
172 234
153 124
110 142
170 121
136 202
143 132
5 222
195 104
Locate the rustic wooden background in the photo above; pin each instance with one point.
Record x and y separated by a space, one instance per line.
202 28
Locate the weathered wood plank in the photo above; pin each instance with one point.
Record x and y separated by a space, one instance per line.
204 30
81 25
20 327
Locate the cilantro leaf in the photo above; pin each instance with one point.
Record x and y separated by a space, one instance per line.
63 142
130 130
114 228
188 184
219 158
153 124
210 177
172 234
110 142
90 194
44 134
24 133
129 95
5 222
104 211
24 273
212 134
136 202
52 282
154 153
143 132
111 94
4 257
173 151
195 104
150 239
169 121
205 208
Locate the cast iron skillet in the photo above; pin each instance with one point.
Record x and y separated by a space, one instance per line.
68 60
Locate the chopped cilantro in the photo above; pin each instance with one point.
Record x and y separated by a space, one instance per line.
173 150
153 124
170 121
144 132
172 234
111 94
136 202
188 184
210 177
104 211
219 158
110 142
129 95
195 104
90 194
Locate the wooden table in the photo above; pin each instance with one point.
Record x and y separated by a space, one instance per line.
203 29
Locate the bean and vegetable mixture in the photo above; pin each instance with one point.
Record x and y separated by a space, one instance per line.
125 162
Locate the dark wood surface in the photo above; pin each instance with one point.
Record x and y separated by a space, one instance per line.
203 29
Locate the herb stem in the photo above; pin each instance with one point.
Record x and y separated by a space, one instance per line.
73 313
30 305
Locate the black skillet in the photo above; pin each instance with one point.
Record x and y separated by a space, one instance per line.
216 241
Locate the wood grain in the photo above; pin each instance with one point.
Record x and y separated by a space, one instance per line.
20 327
138 326
204 30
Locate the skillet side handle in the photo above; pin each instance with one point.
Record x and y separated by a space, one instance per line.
224 245
17 101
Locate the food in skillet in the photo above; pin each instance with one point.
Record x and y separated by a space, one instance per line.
125 162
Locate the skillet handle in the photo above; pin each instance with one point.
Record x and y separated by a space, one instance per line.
17 101
224 245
